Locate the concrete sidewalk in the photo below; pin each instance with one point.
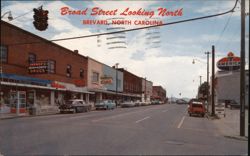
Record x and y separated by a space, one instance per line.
12 115
229 125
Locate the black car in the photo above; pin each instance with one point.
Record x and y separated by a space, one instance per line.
75 106
233 104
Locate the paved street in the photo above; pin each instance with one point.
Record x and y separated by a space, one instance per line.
159 129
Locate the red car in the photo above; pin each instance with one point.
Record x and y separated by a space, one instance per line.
197 108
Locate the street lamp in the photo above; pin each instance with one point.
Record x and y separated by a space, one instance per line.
207 53
10 18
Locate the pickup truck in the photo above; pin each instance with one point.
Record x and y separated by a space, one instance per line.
196 108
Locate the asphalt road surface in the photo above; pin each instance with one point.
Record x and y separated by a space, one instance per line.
160 129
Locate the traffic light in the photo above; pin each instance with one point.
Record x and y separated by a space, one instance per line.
40 19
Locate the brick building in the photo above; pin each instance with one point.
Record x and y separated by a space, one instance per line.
132 86
147 89
159 93
38 73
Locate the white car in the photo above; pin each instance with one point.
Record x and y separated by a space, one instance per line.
128 104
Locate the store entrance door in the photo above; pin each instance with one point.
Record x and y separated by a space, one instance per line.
18 102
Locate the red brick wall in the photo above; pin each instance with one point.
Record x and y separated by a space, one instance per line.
131 83
158 91
18 55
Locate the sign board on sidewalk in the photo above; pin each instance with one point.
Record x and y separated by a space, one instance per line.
220 109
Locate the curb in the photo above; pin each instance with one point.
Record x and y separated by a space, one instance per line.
241 138
25 116
209 117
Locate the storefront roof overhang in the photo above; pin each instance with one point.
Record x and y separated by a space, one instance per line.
80 90
114 93
29 80
101 91
30 86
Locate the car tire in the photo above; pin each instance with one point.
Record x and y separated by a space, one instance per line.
190 114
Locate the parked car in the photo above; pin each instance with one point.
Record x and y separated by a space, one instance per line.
128 104
233 104
105 104
75 106
196 108
138 103
144 103
155 102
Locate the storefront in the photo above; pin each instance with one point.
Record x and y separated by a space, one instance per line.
21 94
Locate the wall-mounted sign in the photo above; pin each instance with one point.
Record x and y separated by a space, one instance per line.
106 80
230 62
39 67
79 83
56 84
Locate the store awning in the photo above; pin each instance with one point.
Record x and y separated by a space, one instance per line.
114 93
101 91
25 79
30 86
72 88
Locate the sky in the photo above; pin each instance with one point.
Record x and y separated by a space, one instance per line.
170 64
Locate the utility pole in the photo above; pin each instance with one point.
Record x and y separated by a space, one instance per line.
116 81
212 100
145 98
242 71
200 79
207 53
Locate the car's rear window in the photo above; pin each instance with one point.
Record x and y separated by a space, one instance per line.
197 105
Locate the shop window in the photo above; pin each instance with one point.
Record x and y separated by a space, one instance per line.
3 54
51 66
95 77
81 73
68 70
32 58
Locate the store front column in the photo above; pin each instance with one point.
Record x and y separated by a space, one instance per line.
81 96
99 96
87 98
35 100
52 98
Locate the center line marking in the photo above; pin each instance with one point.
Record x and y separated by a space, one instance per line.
142 119
179 126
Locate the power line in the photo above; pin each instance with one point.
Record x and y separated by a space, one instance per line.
225 27
22 15
135 29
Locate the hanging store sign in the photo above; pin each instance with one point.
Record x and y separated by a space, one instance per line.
106 80
39 67
79 83
56 84
229 63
